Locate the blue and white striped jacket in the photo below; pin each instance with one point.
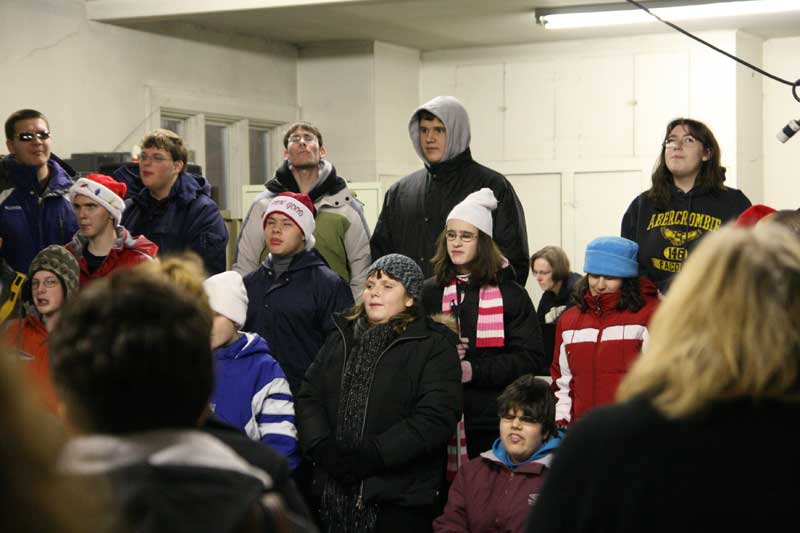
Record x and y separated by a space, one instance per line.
251 392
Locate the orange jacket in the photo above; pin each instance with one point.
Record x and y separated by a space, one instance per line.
28 336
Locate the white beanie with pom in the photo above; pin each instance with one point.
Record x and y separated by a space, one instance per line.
476 209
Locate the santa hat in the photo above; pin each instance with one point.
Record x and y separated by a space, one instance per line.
299 208
104 190
227 296
476 209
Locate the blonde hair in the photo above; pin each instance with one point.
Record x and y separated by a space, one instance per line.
729 328
184 271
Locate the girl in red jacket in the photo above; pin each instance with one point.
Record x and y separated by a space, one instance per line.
599 338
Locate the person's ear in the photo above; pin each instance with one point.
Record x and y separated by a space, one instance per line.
322 152
409 301
10 146
706 154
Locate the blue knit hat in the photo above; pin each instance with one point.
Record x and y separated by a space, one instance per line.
612 256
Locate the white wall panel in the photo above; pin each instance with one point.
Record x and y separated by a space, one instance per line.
530 118
605 104
480 89
662 93
540 195
601 199
782 161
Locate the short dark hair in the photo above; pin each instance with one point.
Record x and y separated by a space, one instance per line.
133 353
22 114
169 141
302 126
484 269
558 260
424 114
533 397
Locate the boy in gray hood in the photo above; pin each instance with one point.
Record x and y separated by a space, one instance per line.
415 208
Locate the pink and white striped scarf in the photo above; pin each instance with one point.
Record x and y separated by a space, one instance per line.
490 333
490 330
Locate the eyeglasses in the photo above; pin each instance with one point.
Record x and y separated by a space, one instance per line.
48 283
155 158
524 419
28 136
466 236
688 141
306 138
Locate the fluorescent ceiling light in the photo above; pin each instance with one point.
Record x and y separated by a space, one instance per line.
559 21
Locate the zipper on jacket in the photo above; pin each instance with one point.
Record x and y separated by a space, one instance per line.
596 353
360 501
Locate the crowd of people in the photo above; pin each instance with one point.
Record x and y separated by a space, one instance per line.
335 381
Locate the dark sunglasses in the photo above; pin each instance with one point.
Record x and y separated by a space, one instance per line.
27 136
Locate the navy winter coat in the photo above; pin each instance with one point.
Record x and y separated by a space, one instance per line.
189 220
294 313
29 222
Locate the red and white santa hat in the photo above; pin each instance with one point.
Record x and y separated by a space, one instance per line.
104 190
299 208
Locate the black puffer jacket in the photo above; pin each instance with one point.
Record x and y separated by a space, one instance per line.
413 407
493 368
415 210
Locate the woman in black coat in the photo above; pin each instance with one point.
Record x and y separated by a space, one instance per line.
377 407
500 335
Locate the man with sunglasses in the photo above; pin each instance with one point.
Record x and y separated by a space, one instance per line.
34 212
342 234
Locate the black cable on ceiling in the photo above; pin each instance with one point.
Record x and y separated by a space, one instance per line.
794 85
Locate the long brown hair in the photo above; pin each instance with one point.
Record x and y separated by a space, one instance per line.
483 270
710 176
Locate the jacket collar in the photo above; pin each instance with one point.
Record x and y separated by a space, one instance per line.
602 303
447 169
330 183
185 189
25 177
100 453
301 260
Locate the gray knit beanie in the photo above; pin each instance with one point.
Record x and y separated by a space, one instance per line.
403 269
62 263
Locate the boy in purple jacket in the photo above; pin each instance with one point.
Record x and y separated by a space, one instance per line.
251 391
494 492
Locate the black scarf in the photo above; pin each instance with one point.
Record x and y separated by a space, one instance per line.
342 507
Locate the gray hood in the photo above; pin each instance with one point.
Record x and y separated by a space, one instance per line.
454 117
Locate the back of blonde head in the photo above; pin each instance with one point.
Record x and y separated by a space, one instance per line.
729 328
185 271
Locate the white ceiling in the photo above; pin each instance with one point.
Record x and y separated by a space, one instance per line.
421 24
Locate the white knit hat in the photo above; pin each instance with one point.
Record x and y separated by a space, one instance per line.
476 209
297 207
104 190
227 296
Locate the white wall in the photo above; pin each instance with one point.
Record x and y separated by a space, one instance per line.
91 79
781 161
577 126
361 94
